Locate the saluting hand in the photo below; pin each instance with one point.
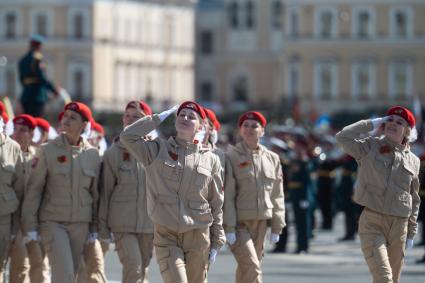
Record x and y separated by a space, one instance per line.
164 114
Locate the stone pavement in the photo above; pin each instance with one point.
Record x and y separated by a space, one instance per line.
327 262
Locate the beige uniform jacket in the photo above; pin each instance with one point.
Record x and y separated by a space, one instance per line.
11 178
28 163
253 187
387 179
122 207
62 186
184 181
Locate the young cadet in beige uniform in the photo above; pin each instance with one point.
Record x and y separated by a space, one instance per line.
92 265
122 208
26 255
253 194
11 189
387 186
62 194
183 193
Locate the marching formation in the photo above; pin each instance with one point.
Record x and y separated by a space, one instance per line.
65 198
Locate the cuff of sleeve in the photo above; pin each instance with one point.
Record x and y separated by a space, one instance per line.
277 230
410 235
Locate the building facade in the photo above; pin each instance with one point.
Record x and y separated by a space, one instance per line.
239 47
354 54
104 52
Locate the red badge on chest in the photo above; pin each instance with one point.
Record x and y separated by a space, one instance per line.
173 155
244 164
62 159
384 149
126 156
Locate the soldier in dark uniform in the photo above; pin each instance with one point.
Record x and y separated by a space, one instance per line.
300 194
346 191
33 80
325 186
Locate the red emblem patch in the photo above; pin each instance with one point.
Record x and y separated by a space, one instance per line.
384 149
173 155
126 156
62 159
243 164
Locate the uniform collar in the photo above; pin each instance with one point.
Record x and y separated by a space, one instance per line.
61 141
243 148
396 146
177 142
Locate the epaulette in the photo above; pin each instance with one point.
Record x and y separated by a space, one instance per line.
37 55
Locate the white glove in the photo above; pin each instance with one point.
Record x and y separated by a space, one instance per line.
231 238
213 254
377 122
164 114
31 236
200 135
274 238
409 244
92 238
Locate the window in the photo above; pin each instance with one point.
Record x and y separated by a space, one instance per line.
240 90
293 80
250 14
41 24
276 11
363 22
326 25
401 22
79 81
206 91
400 80
326 80
78 26
233 15
293 22
42 21
363 80
11 26
206 42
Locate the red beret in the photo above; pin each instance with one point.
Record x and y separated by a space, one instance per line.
217 125
81 109
25 120
404 113
97 128
194 106
143 106
210 115
42 124
3 113
253 115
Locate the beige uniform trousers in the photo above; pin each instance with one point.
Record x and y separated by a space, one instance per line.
64 244
383 239
182 257
5 234
249 249
92 267
135 253
27 262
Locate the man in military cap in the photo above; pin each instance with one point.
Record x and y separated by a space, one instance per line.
33 80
